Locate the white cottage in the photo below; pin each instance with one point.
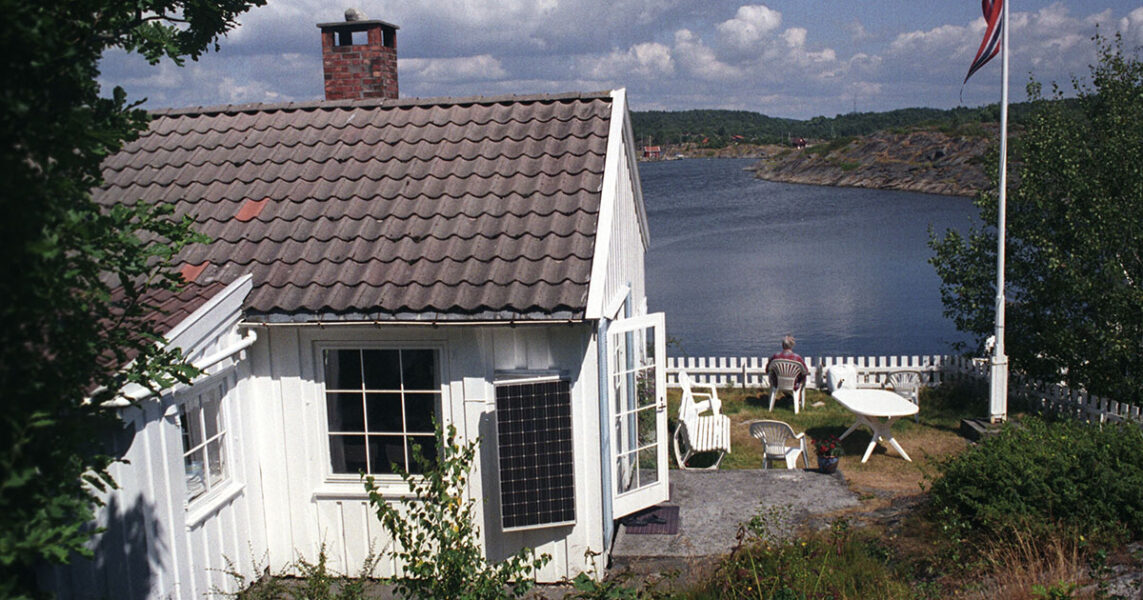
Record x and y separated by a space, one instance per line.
377 263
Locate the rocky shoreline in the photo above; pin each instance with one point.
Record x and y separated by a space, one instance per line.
931 162
926 161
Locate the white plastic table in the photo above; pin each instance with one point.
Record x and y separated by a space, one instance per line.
871 406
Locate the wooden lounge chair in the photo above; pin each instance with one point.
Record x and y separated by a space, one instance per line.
702 428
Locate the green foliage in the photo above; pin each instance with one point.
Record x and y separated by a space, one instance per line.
318 582
839 563
77 281
1075 238
1038 477
436 539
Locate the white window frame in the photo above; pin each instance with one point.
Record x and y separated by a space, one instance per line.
439 409
191 405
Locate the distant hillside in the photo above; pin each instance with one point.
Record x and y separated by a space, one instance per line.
720 128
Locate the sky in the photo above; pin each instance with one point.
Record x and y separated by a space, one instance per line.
783 58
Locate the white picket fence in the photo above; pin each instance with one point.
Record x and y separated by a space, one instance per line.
872 372
1060 399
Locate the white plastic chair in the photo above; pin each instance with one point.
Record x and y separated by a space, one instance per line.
906 384
786 372
775 437
702 428
841 377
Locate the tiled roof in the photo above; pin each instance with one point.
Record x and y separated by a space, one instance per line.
421 209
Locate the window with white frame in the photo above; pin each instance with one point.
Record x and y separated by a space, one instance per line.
379 404
204 440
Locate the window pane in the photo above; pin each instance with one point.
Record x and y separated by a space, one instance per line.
382 370
648 466
184 425
419 412
347 453
196 484
216 456
384 413
212 416
646 391
420 369
343 369
385 451
345 411
192 428
428 445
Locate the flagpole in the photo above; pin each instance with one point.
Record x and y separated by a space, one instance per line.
998 371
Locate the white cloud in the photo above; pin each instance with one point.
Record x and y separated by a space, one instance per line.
749 26
646 60
795 37
1132 26
700 61
857 31
446 70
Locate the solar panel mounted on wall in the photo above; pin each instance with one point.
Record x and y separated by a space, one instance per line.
534 439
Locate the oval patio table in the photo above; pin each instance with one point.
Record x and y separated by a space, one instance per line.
870 406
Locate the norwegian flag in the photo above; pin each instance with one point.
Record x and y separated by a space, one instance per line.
990 45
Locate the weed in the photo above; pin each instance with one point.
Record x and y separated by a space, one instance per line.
318 582
436 539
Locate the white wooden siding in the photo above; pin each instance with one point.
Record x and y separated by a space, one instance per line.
306 508
622 237
150 548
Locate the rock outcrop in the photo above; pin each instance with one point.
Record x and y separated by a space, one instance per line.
920 161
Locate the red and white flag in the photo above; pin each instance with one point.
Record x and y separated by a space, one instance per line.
990 45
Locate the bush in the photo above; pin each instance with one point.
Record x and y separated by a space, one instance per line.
839 563
436 537
1038 476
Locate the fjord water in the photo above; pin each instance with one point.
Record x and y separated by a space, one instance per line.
736 263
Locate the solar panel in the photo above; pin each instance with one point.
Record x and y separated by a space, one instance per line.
534 439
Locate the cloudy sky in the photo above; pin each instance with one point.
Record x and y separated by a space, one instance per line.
783 58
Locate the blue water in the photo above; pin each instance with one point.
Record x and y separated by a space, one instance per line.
737 262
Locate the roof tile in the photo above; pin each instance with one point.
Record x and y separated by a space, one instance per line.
450 208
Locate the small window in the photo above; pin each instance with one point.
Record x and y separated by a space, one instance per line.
379 404
537 461
204 441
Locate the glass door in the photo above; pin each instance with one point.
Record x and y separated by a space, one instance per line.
637 389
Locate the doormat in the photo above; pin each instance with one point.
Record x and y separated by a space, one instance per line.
662 520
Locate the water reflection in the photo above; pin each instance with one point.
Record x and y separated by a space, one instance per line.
736 263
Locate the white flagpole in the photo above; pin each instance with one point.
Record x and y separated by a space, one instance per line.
998 371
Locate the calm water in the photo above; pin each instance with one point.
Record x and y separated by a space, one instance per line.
737 262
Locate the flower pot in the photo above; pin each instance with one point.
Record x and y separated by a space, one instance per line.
827 464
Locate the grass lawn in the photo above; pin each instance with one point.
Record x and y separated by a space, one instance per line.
934 436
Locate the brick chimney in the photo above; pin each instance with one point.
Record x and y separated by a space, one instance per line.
359 58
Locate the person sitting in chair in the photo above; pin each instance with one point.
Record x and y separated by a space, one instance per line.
788 353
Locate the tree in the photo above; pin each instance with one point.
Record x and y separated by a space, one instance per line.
1075 237
76 279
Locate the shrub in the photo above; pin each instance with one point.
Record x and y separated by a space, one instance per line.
1039 475
840 563
436 539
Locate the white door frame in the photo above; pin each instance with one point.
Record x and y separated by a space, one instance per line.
634 489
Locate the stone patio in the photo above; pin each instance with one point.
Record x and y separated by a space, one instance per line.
712 506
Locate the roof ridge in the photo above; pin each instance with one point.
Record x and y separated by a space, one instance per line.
379 103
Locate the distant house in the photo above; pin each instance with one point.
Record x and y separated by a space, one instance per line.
376 264
652 152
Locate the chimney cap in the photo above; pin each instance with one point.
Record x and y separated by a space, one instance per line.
355 25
